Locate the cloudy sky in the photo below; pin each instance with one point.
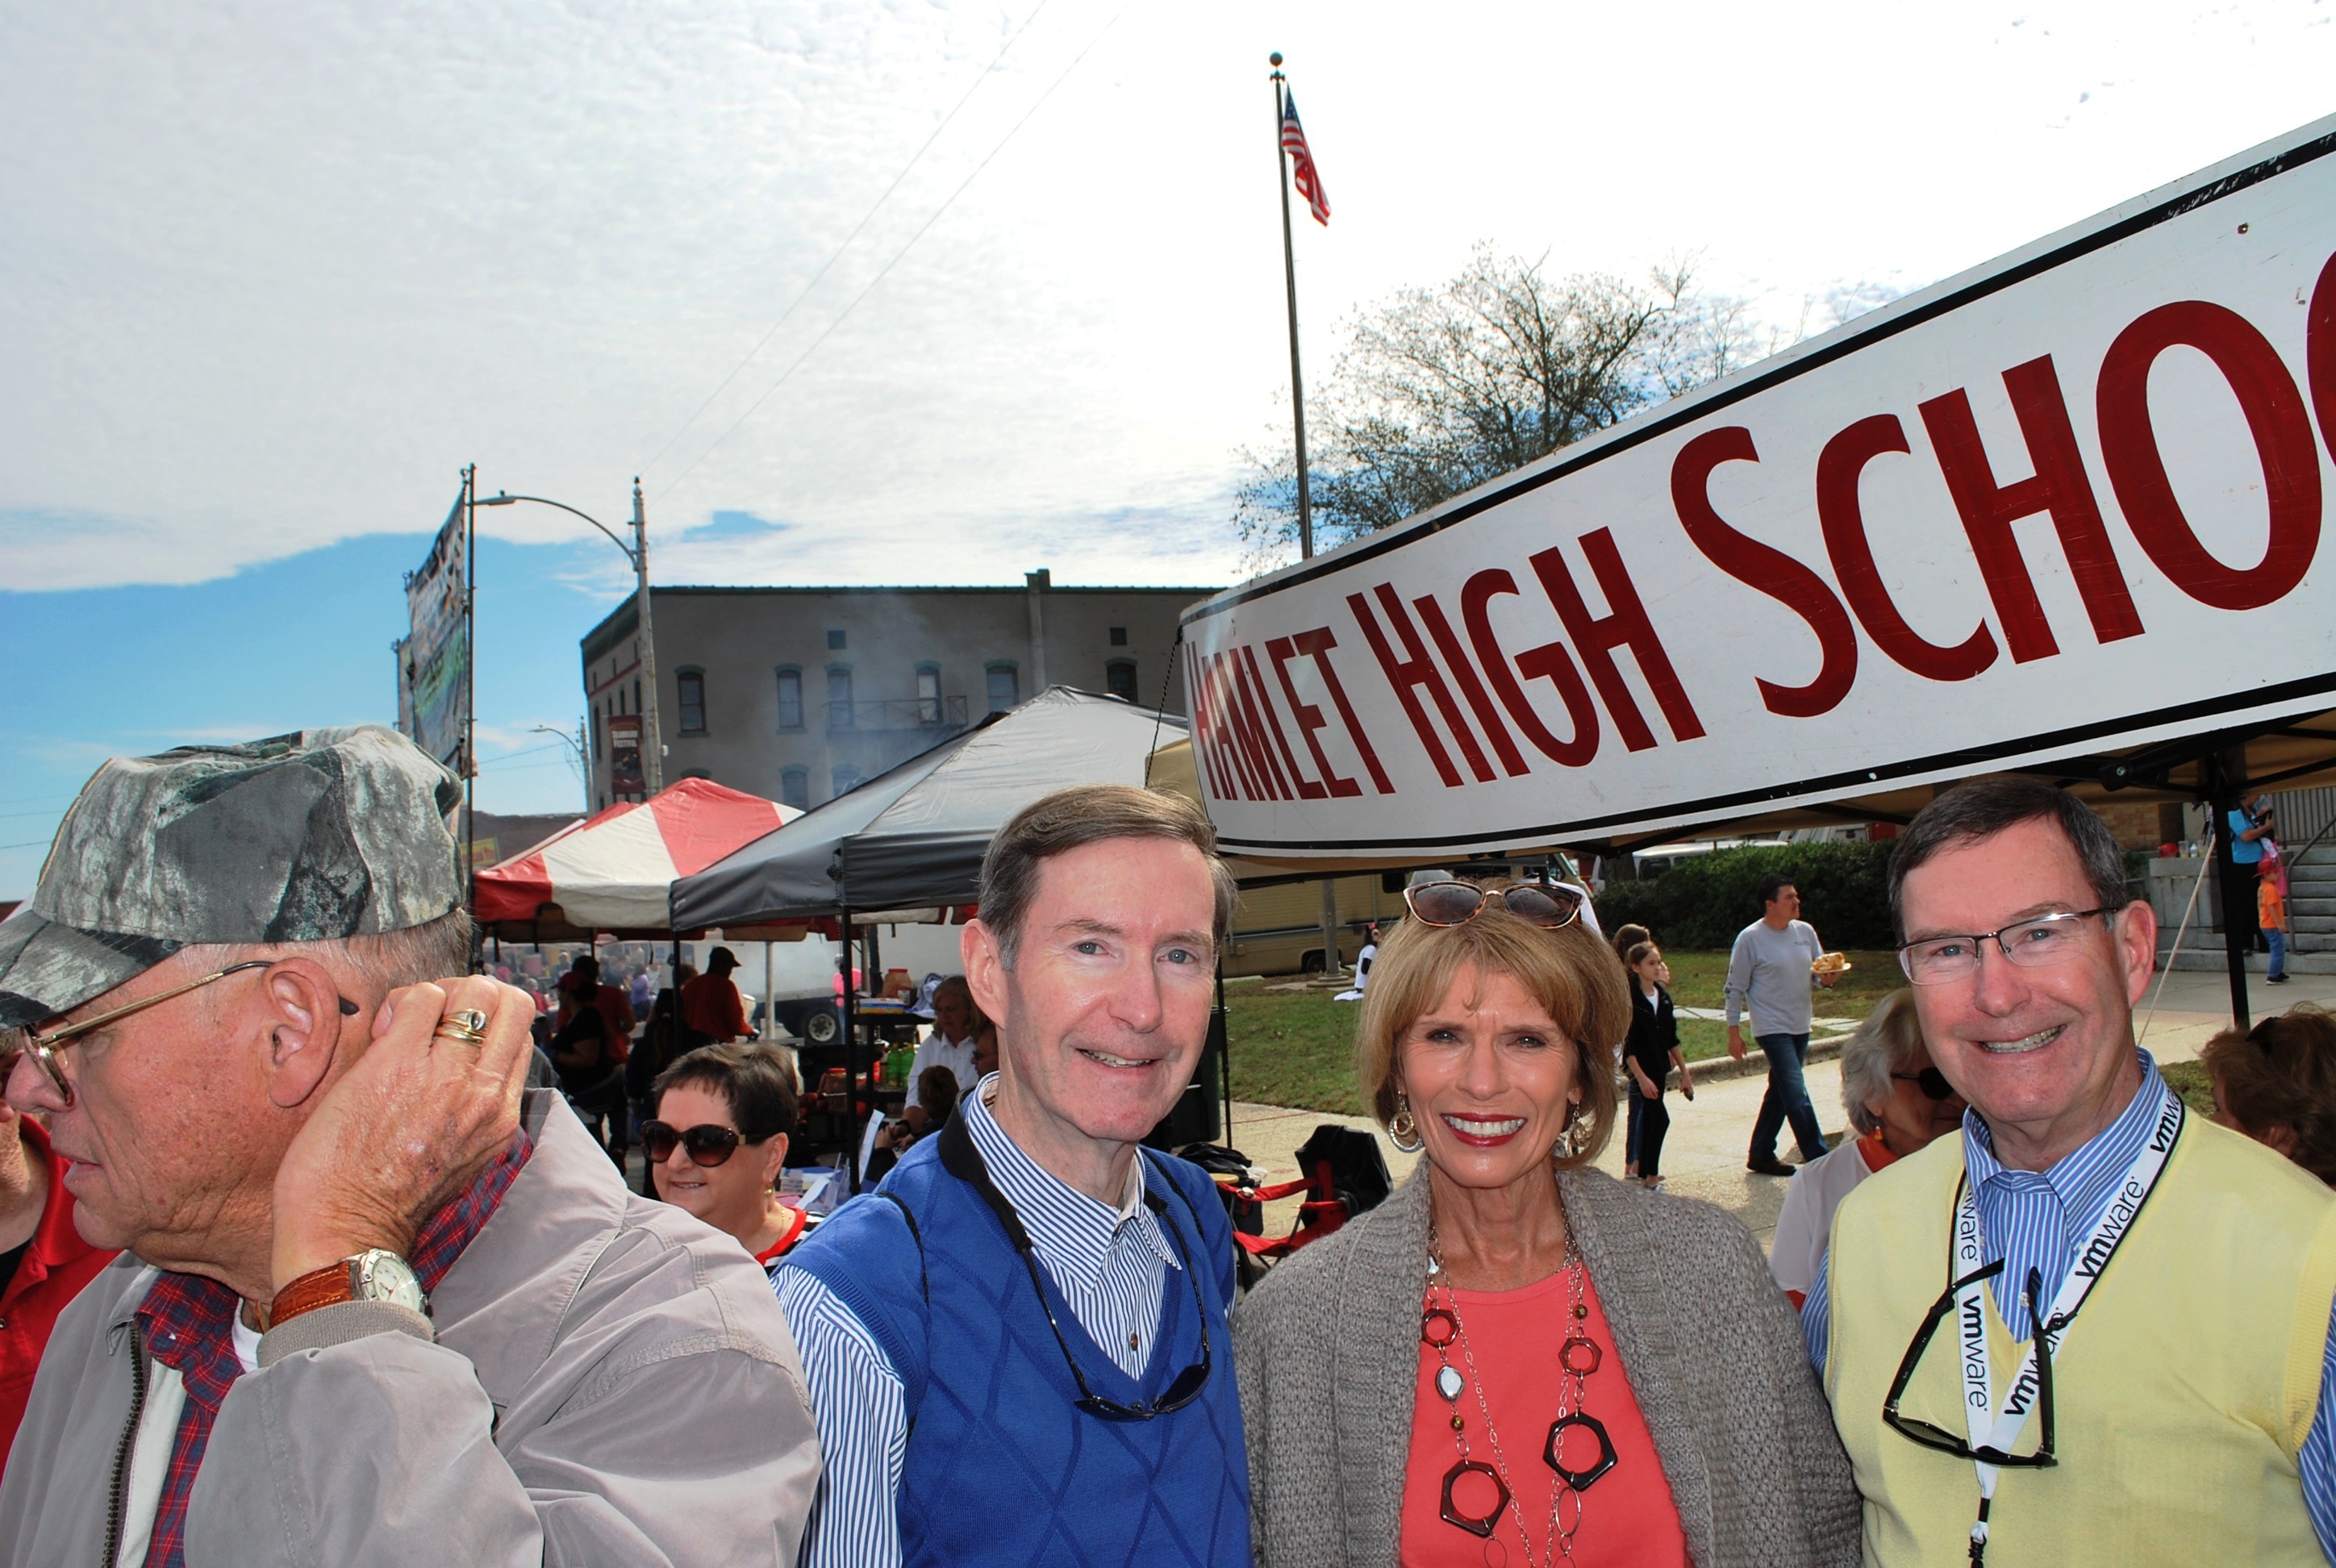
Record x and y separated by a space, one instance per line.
273 273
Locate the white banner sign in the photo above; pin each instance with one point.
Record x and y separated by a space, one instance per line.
2069 501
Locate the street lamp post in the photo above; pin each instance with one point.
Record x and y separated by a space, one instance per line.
583 757
638 554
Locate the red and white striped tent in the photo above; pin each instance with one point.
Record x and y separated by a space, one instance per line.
611 874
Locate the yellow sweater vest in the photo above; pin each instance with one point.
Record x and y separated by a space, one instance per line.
2181 1394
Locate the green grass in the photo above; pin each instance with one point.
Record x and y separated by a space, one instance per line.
1297 1048
1294 1050
2194 1083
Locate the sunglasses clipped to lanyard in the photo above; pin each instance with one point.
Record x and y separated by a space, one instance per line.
1454 903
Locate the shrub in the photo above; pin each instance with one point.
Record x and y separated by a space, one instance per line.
1703 902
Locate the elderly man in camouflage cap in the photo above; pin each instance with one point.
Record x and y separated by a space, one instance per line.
377 1305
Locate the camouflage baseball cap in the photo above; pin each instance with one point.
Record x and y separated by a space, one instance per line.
299 838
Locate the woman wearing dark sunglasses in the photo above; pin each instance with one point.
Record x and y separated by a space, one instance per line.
1897 1101
724 1116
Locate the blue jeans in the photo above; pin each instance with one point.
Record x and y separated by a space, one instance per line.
2278 940
1638 1115
1788 1099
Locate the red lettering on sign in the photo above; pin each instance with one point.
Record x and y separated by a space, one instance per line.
1206 725
1550 660
1838 467
1228 751
2059 487
1625 623
2275 417
1262 702
1281 650
1769 570
2319 352
1419 670
1317 644
1456 657
1248 729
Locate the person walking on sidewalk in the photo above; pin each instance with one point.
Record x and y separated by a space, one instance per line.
1649 1054
1768 974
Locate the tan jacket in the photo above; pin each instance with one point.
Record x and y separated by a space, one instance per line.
1328 1349
612 1382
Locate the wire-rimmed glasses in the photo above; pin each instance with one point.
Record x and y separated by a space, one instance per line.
2045 939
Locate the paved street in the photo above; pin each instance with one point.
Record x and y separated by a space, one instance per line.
1704 1155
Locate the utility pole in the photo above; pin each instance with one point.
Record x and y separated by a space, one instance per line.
653 758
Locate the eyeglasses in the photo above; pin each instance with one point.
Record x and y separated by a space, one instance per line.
708 1144
1934 1083
962 1159
2052 939
1947 1442
1454 903
44 1048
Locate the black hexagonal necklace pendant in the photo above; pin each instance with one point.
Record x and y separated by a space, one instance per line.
1554 1452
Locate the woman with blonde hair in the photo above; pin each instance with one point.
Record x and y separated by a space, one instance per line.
1517 1358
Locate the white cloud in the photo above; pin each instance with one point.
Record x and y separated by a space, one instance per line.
274 272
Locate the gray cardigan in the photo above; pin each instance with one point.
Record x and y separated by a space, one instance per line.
1328 1346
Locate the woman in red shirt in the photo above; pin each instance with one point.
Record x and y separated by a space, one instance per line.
1516 1359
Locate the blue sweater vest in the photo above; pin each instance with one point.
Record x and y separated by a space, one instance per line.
1001 1465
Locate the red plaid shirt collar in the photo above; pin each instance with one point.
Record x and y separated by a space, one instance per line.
187 1323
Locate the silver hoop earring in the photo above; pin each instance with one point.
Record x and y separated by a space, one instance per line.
1403 1128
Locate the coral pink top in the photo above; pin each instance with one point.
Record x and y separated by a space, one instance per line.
1628 1517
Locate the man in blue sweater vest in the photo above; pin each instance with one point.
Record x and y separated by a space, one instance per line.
1017 1346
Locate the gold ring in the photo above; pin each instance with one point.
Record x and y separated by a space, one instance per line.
468 1025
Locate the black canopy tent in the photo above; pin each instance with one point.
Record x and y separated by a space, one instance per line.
913 837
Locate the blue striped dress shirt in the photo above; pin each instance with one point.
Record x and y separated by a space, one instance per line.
2038 1218
1111 1264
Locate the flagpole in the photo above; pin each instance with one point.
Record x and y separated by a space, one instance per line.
1290 278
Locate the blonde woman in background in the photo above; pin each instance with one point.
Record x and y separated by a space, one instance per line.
1897 1101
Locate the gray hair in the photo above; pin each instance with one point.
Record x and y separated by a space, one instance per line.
432 950
1084 814
1986 807
1884 1043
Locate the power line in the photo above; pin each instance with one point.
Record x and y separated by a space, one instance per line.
796 364
837 255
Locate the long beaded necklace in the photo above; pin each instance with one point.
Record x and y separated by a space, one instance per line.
1578 1358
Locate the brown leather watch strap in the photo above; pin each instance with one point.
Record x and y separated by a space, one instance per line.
327 1287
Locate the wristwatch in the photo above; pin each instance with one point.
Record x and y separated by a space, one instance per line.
373 1276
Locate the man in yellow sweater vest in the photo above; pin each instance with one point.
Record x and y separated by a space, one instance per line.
2177 1409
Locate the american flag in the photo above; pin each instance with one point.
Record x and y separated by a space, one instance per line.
1302 161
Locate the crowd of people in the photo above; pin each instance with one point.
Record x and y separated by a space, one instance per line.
310 1272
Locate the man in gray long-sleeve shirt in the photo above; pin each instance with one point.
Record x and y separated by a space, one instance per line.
1768 970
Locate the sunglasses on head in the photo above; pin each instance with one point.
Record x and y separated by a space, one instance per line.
708 1144
1454 903
1932 1081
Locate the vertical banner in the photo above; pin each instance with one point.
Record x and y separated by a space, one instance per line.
626 781
2069 501
433 689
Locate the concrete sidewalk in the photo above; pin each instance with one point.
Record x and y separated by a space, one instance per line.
1703 1157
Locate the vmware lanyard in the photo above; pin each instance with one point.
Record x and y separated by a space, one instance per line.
2000 1430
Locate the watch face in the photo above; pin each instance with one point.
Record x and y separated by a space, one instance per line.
382 1276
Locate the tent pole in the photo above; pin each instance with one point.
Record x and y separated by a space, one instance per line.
851 1061
1225 1057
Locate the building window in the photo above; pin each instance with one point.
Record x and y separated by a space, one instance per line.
1005 687
835 640
839 696
794 788
1119 636
692 683
847 779
596 734
1119 679
791 699
928 693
